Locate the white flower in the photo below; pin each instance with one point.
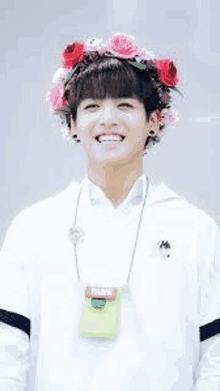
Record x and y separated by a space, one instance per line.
59 76
47 97
172 118
95 44
138 58
66 134
146 55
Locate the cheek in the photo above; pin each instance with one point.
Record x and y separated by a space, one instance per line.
139 127
85 139
136 121
83 132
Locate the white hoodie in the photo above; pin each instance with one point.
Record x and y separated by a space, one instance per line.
169 333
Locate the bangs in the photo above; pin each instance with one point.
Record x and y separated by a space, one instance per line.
109 78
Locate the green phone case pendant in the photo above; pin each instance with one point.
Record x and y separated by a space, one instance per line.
100 317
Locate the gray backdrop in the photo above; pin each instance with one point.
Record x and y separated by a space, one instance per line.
36 161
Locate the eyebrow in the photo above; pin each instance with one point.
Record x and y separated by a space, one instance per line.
100 100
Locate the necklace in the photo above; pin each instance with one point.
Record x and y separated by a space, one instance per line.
100 295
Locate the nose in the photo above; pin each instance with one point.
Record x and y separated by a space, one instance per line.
108 115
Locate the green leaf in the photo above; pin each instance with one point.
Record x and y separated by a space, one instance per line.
176 89
69 75
88 52
138 65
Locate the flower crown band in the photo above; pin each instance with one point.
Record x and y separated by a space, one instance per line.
121 46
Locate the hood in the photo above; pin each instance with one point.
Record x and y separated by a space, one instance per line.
161 193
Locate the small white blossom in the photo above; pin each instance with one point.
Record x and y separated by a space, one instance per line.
147 55
59 76
47 97
138 58
94 44
66 134
172 118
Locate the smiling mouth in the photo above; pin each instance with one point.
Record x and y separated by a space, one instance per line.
109 140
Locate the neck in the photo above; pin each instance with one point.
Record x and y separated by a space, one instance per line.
115 180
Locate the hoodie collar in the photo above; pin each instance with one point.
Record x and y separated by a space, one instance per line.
97 196
156 193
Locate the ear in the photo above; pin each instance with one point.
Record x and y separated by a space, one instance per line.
157 119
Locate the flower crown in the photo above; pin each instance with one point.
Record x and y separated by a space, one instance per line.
120 46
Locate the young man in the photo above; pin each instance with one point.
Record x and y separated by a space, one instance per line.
119 279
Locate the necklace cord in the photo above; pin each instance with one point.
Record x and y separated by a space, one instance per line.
77 205
138 230
137 235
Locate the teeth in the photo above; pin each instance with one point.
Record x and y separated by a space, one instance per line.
110 138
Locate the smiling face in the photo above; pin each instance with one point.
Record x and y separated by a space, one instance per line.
118 116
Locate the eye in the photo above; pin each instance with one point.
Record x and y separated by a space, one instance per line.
87 107
125 104
95 105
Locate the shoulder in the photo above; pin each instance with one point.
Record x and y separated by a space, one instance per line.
175 207
36 225
53 208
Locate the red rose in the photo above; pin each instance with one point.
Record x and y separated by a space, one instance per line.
167 72
73 54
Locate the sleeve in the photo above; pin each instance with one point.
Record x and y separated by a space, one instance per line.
208 370
14 311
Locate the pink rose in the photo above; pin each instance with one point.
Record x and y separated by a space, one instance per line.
56 96
123 46
165 98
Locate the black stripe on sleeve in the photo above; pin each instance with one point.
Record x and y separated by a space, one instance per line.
15 320
209 330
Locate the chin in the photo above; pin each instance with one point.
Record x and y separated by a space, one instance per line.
116 160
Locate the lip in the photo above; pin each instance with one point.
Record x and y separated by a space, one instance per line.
109 133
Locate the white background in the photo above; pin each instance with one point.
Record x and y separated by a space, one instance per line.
35 161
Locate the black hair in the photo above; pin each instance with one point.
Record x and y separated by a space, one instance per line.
115 78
